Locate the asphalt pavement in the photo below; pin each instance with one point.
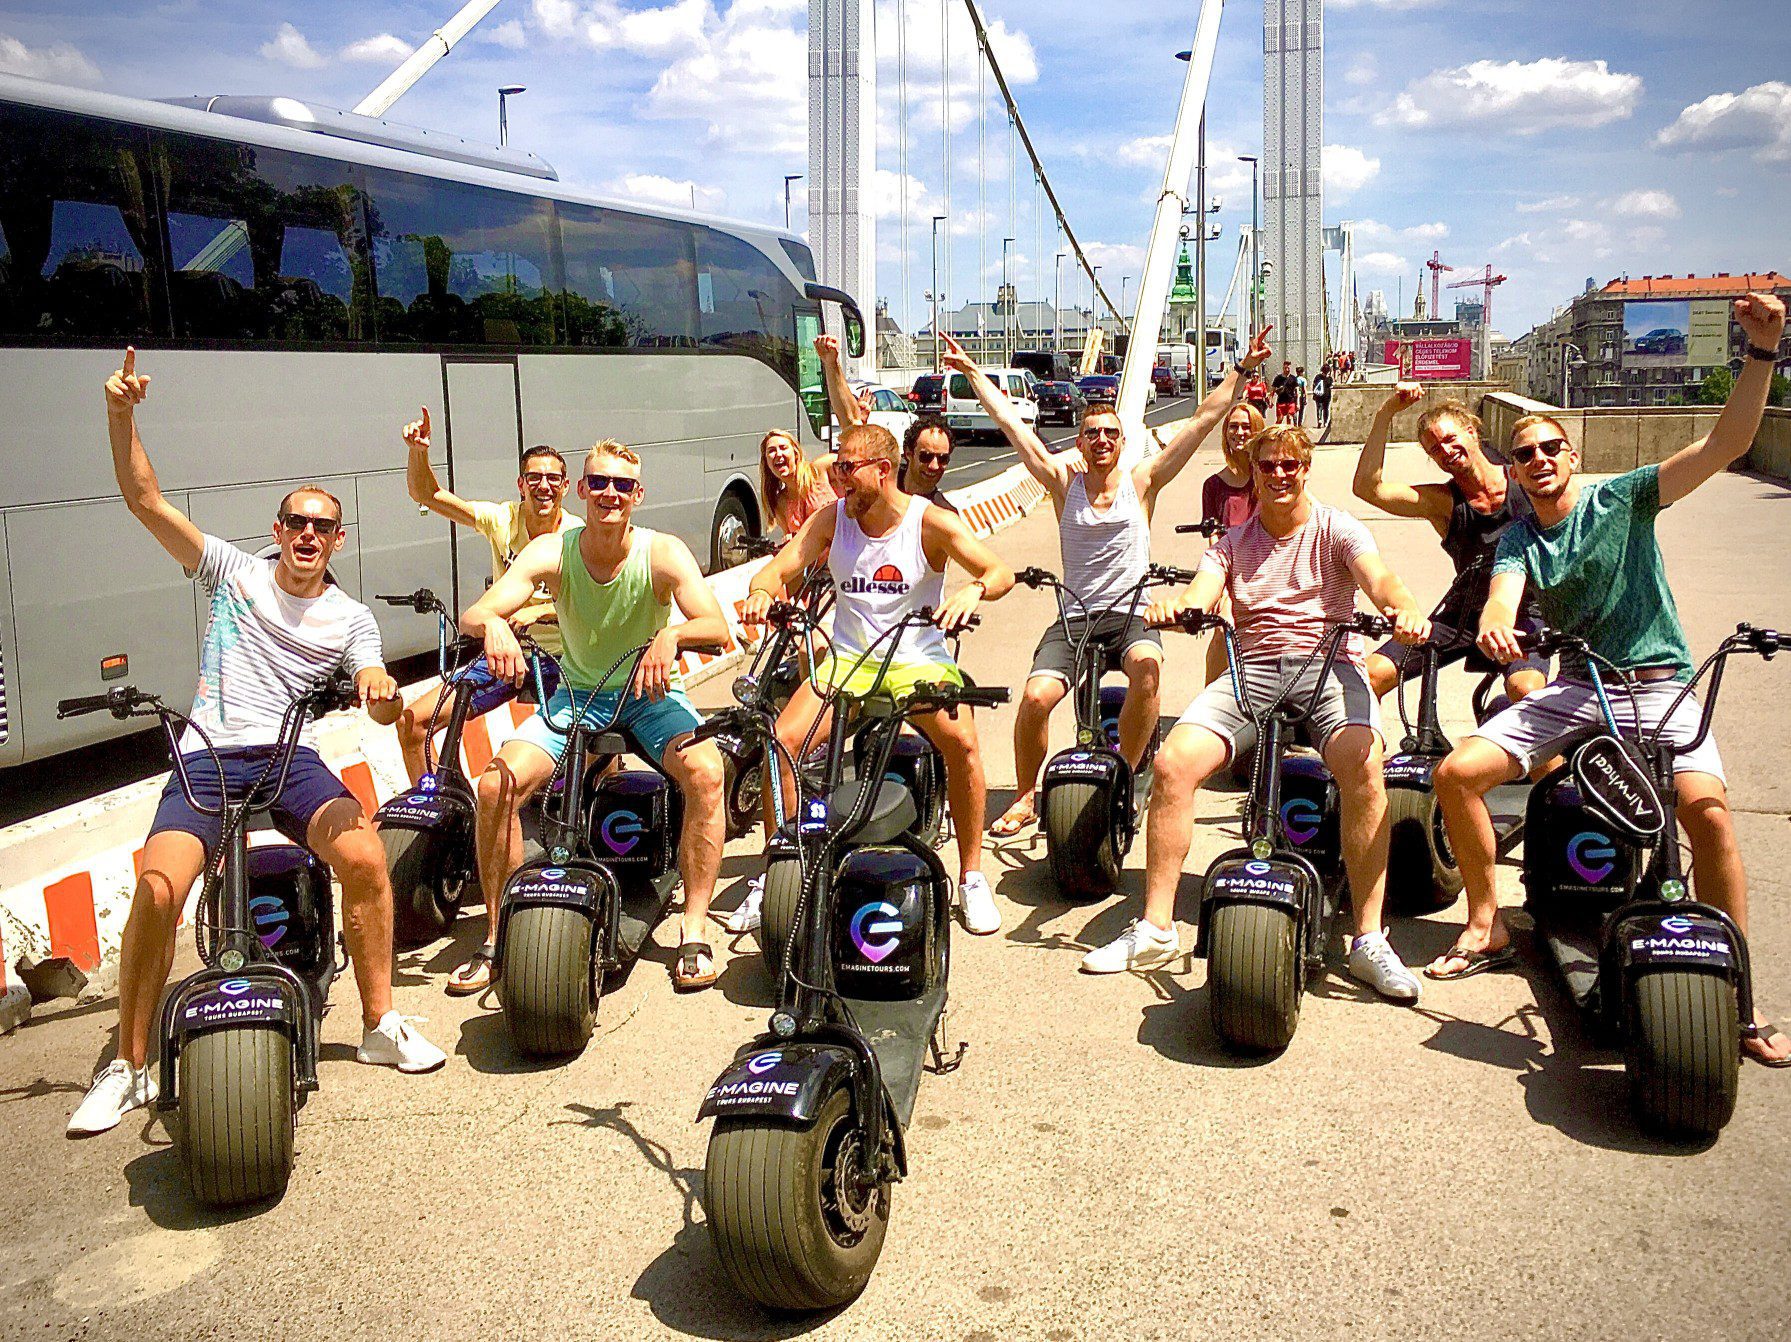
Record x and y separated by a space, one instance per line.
1098 1167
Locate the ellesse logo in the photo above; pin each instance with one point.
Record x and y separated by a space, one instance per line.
886 581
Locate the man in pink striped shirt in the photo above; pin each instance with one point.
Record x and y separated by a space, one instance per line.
1292 572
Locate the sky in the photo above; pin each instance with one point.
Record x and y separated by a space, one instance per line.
1556 142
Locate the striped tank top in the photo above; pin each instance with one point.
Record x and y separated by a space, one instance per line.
879 580
1104 553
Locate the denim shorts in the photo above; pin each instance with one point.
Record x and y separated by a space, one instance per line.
310 786
489 692
653 723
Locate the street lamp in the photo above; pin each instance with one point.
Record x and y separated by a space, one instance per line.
1007 311
933 294
1578 361
506 92
1255 228
788 178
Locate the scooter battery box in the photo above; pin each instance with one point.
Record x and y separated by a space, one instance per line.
632 823
293 909
1309 812
885 940
1570 854
1113 700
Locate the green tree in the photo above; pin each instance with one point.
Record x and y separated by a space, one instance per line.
1781 390
1718 383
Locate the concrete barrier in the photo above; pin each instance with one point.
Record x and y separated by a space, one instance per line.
1771 454
1620 438
1354 405
66 878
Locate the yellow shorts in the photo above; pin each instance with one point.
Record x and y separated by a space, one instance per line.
859 679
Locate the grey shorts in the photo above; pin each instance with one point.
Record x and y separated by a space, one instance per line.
1537 726
1055 655
1347 700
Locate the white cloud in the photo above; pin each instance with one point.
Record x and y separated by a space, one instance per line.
1645 204
1363 70
58 62
386 49
1013 50
1147 151
1382 263
1115 259
1758 118
1548 205
1519 97
511 35
290 47
1348 169
1373 231
657 190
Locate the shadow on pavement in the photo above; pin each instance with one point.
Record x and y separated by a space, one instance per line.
1179 1027
159 1186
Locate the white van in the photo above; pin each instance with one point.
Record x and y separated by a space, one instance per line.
965 414
1179 359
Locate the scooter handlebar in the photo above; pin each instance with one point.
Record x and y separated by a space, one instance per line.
927 613
422 600
1170 573
1033 576
1208 527
118 702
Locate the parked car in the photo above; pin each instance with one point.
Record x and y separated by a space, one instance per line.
1162 377
965 414
1098 387
1060 402
891 410
928 392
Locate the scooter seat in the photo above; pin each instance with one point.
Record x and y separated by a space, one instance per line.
607 743
892 813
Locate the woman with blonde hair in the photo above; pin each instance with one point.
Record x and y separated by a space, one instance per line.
793 487
1229 496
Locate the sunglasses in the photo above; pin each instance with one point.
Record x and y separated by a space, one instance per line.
621 484
933 458
1104 431
553 478
1524 455
295 523
1280 466
844 467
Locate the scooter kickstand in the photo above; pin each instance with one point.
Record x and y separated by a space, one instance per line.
941 1065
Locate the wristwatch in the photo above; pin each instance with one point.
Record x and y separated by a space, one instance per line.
1763 354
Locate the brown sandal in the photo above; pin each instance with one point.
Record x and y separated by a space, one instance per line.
694 969
475 976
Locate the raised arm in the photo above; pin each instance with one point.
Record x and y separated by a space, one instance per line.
1391 597
1372 486
488 618
419 477
1153 474
1047 469
839 392
944 535
174 531
1762 321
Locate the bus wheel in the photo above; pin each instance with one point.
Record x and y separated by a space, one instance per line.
728 534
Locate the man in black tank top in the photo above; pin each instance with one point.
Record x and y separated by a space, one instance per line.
1470 511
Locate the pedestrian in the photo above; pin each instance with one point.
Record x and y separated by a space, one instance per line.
1287 394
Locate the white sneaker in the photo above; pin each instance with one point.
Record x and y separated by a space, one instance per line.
1372 961
116 1090
978 902
1141 946
392 1043
751 912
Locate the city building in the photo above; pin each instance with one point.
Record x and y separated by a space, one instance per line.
987 331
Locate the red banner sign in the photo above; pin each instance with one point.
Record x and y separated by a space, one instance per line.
1433 358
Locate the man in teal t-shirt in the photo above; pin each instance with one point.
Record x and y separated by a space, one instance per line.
1591 555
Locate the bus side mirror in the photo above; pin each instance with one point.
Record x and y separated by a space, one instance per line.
826 293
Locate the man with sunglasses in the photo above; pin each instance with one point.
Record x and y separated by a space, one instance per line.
613 584
887 553
1470 510
1103 522
276 628
1292 573
926 446
1591 554
509 527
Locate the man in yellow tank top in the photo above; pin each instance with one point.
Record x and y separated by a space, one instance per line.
613 584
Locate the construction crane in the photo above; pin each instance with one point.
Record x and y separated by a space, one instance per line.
1436 268
1486 283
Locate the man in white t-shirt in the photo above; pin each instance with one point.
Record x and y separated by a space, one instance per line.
1292 572
538 510
276 628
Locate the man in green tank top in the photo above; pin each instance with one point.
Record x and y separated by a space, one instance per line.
613 584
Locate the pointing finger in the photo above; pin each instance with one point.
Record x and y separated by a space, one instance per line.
425 421
130 360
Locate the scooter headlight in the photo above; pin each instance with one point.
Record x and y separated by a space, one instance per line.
1261 849
1672 890
231 961
783 1024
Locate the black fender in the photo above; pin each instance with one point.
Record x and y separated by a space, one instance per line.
1411 771
575 884
262 993
788 1081
1284 881
426 808
1648 936
1105 769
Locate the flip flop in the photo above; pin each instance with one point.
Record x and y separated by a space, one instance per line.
688 974
1761 1033
1009 825
475 976
1474 962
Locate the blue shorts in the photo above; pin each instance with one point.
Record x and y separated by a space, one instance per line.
310 786
653 723
489 692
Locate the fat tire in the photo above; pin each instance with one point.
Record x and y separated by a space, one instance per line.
777 914
422 909
236 1114
1079 840
762 1189
1253 976
1421 876
1682 1050
545 982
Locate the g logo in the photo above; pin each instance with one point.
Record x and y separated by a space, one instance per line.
1591 856
764 1063
621 831
1677 926
234 987
1301 818
267 911
879 918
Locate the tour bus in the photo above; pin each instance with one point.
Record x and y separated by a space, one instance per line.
1221 353
298 281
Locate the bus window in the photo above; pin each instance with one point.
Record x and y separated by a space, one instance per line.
264 244
630 281
458 264
812 389
749 298
81 247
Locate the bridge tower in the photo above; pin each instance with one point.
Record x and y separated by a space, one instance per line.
842 149
1293 136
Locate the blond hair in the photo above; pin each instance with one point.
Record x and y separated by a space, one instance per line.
1455 410
1291 436
1531 421
772 489
879 440
609 447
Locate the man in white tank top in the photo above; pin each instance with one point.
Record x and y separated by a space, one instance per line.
1103 518
888 552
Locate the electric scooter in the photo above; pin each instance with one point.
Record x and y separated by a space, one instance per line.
1666 975
1088 810
808 1141
239 1036
427 832
1267 909
582 912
